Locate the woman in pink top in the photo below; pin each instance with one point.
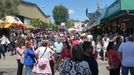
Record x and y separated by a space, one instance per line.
20 47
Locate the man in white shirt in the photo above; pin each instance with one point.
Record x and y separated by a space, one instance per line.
126 51
4 41
105 41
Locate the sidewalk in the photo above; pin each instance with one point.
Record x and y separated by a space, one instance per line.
9 66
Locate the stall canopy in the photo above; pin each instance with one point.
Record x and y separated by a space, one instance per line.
12 21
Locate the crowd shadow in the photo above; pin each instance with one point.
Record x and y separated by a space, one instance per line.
2 72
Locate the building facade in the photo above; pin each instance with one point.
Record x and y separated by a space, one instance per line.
118 17
28 11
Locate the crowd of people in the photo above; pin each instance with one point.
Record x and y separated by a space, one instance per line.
71 54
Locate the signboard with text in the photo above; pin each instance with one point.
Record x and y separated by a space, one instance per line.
114 8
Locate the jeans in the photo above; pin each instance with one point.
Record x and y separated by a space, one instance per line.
20 67
2 51
28 69
52 66
125 70
5 47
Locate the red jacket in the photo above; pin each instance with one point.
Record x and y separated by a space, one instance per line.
113 58
65 54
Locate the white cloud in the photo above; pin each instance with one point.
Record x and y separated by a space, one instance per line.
71 11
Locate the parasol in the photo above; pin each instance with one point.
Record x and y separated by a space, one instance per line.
11 21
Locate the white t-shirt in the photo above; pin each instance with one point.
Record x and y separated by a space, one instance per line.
105 42
4 40
47 53
127 50
98 47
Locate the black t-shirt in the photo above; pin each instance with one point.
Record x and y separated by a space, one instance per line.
92 64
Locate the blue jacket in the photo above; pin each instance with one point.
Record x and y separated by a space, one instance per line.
29 57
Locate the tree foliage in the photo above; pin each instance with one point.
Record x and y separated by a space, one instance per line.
35 22
69 24
8 7
60 14
55 27
39 23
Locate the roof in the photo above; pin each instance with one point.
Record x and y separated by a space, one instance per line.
31 10
96 17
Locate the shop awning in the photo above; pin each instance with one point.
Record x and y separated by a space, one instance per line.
99 15
117 14
12 21
118 8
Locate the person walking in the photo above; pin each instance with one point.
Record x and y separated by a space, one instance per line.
20 48
88 56
99 49
43 55
118 42
126 51
113 60
2 51
58 45
5 42
105 41
75 65
29 58
65 53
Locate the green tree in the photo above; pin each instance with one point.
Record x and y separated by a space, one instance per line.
60 14
9 7
35 22
69 24
55 27
43 25
39 24
50 26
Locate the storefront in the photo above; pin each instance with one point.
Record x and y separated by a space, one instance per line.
119 17
95 25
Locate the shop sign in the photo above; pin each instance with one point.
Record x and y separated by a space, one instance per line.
115 7
127 4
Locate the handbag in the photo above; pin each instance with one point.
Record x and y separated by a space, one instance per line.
39 64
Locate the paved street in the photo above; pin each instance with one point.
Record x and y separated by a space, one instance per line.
9 66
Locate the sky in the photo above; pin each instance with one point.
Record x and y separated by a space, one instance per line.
77 8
